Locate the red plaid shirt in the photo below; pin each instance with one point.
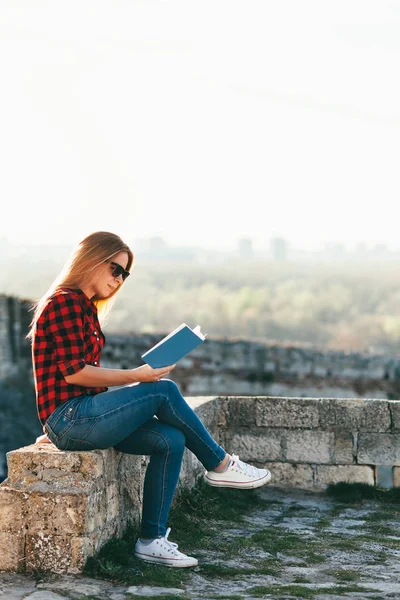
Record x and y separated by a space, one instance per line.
67 337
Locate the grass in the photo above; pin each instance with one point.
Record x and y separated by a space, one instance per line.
344 574
354 492
159 597
299 591
212 571
196 519
323 523
201 519
279 541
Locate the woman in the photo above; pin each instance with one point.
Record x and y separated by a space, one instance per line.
147 415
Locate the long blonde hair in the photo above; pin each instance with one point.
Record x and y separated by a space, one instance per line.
80 267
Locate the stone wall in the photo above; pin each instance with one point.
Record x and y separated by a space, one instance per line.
242 367
311 442
228 366
14 325
58 508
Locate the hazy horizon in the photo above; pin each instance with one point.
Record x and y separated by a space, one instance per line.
257 246
202 126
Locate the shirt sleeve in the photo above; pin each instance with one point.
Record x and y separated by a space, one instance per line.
64 323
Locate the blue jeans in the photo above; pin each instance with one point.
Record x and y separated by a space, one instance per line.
146 419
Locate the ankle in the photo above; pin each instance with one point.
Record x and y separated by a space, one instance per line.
224 464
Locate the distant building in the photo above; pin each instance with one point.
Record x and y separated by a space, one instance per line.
361 251
279 249
157 245
157 249
246 251
335 251
379 251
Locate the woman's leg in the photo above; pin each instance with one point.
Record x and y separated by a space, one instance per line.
165 445
106 419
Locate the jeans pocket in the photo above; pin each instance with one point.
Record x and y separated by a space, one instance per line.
61 420
75 437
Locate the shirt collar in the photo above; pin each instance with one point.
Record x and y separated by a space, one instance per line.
87 301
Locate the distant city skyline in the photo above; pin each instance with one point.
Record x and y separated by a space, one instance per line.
157 247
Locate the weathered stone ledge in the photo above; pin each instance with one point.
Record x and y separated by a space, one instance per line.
58 508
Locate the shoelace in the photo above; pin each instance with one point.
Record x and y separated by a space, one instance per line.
249 469
170 546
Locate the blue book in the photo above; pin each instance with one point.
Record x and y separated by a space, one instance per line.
174 346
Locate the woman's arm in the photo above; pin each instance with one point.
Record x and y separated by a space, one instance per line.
91 376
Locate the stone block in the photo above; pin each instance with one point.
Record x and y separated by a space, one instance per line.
110 509
326 474
55 513
112 460
384 476
343 448
44 467
379 449
98 512
394 407
310 446
129 478
49 552
291 413
191 470
256 447
66 553
289 475
12 509
354 414
212 411
242 411
12 545
81 548
396 476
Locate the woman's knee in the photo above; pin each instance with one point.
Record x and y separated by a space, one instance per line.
171 388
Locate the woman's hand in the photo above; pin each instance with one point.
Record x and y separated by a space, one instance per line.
146 374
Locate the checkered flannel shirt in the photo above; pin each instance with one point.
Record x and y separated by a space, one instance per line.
67 337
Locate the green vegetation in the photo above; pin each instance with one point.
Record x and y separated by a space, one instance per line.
341 306
202 519
323 523
345 307
159 597
354 492
299 591
344 574
195 519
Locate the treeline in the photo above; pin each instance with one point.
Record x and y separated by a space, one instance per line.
341 306
335 306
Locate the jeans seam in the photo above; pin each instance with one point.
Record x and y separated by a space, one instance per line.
77 421
104 414
195 432
163 476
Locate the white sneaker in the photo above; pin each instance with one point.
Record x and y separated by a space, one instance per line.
238 475
163 552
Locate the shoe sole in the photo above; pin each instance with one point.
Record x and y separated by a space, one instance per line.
165 563
245 485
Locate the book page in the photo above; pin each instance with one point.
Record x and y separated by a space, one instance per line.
197 331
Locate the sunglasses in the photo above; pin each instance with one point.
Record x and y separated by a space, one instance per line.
117 270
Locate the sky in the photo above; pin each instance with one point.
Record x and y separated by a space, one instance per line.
200 122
